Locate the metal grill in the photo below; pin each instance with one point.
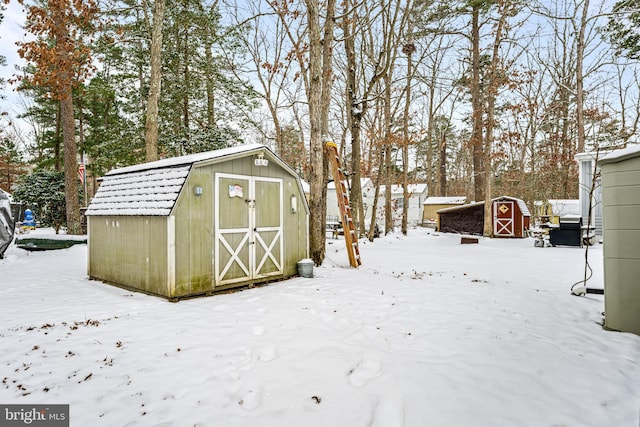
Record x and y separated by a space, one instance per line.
568 233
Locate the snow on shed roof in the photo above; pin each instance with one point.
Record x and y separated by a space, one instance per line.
189 159
562 207
521 204
150 192
151 189
631 151
453 200
460 207
398 189
523 207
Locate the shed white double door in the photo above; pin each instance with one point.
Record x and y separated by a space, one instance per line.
247 228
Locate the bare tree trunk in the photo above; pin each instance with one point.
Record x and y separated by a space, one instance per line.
151 125
186 72
211 99
580 47
566 143
408 49
357 106
319 96
376 196
70 164
209 84
316 165
80 145
430 123
388 211
443 164
327 66
488 220
495 81
67 121
57 165
354 117
476 101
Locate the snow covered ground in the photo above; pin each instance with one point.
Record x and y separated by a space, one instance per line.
427 332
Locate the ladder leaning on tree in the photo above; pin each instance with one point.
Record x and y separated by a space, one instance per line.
340 180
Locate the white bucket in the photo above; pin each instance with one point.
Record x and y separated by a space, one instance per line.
305 268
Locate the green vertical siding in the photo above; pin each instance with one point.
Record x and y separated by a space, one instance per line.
194 233
129 251
268 213
132 251
296 233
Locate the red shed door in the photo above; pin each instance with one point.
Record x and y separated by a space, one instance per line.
504 218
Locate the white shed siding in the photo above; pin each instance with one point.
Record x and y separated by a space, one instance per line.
586 165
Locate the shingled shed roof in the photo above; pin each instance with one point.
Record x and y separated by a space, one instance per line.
151 189
151 192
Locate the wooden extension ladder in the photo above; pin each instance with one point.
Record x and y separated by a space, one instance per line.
340 180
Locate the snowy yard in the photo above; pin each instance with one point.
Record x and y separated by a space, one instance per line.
427 332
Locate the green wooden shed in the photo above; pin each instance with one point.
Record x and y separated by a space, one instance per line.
198 224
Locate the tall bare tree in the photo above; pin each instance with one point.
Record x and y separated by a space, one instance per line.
320 37
155 83
580 50
497 77
273 50
408 49
477 115
363 75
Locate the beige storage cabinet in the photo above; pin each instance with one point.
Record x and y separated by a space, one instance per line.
621 233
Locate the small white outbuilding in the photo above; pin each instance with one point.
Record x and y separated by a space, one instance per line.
417 196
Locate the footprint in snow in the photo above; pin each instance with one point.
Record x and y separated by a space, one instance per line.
267 354
366 370
389 412
251 398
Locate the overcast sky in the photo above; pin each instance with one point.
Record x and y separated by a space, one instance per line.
10 32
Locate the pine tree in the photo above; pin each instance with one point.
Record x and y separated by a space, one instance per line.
44 193
12 165
624 28
61 57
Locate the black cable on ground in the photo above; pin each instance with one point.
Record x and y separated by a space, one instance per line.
583 281
585 289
